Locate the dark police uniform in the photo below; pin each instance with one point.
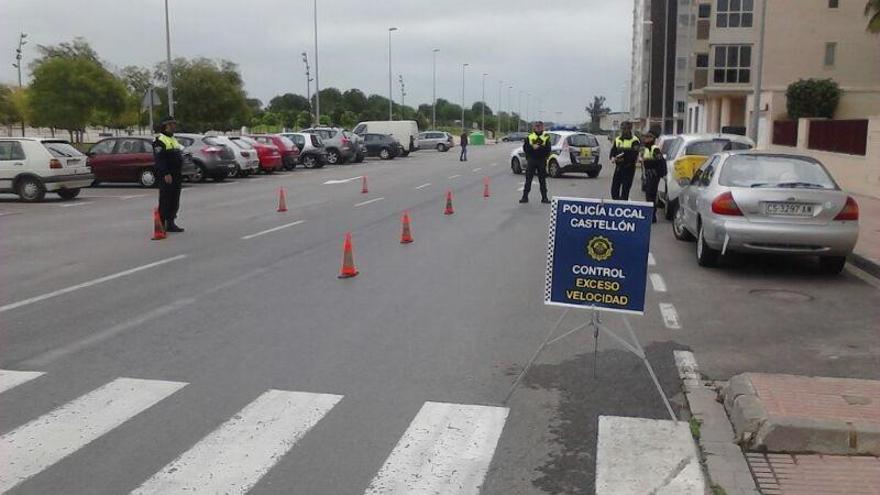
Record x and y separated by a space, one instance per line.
625 171
654 164
537 163
168 155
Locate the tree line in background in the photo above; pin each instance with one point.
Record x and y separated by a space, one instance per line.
72 88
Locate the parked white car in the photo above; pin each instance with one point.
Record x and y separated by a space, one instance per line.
570 152
405 131
246 160
31 167
689 145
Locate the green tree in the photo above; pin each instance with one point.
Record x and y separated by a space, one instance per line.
355 100
872 12
349 119
9 111
812 98
303 120
208 95
597 110
79 48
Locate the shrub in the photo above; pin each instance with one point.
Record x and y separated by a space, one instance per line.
812 98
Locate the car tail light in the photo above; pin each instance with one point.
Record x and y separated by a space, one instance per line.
725 205
245 154
53 163
850 210
211 149
345 141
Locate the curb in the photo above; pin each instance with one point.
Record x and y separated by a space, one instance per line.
724 460
869 265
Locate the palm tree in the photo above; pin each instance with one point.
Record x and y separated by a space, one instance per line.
872 11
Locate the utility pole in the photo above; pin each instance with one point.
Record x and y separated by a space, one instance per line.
17 65
434 91
497 132
519 111
528 101
462 96
509 107
402 97
308 84
390 96
759 74
168 61
483 106
317 79
665 62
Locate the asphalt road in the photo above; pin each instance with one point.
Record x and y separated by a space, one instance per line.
243 316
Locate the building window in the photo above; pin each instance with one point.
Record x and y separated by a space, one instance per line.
833 4
679 107
705 10
735 13
830 54
681 63
702 60
732 64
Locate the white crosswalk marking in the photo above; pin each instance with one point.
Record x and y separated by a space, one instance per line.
11 379
446 450
33 447
237 454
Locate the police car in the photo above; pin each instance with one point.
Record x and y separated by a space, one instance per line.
571 152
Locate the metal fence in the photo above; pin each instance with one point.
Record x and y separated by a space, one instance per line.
839 136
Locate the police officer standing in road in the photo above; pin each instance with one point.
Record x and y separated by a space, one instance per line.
168 155
624 154
654 165
537 150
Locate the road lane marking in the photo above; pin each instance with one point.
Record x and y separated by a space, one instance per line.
79 203
342 181
95 338
651 260
228 183
273 229
11 379
670 316
657 282
33 447
493 164
90 283
454 176
686 363
236 455
427 184
478 169
446 449
369 201
640 455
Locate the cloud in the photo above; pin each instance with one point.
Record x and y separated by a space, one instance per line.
562 52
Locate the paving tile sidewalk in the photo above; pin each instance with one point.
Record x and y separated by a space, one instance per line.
867 252
786 474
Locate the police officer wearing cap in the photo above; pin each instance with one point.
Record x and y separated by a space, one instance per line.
654 166
168 156
537 150
624 154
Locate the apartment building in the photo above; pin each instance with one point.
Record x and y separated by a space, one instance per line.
656 42
803 39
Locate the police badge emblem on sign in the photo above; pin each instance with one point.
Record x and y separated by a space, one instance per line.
598 254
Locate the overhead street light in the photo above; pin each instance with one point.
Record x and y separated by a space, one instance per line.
17 65
168 61
434 90
390 96
462 95
309 80
317 78
483 106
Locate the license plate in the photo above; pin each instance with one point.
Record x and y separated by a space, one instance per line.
586 152
789 209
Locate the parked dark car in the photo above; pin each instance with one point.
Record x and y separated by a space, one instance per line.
129 159
384 146
515 136
289 150
211 157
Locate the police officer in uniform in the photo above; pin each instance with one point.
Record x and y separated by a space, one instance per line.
624 154
168 155
537 150
654 166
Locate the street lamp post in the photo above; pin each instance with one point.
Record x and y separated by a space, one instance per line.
500 84
483 106
528 101
402 97
308 81
463 66
17 65
434 91
168 61
759 74
390 97
510 107
317 79
519 110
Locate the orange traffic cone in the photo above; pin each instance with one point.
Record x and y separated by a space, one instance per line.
449 210
486 187
348 269
364 189
282 200
406 234
158 226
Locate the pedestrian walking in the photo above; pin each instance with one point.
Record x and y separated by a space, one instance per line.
464 146
624 154
537 150
168 156
654 167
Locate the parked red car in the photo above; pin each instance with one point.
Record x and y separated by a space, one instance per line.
289 150
269 155
128 159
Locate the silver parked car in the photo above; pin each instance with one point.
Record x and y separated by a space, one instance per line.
762 202
246 160
338 144
439 140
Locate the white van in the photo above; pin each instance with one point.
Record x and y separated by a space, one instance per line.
31 167
406 131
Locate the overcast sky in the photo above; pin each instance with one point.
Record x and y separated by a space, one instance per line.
562 51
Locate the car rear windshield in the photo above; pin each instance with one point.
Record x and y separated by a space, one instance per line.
185 141
706 148
582 140
61 149
212 141
287 142
241 143
315 140
774 171
296 138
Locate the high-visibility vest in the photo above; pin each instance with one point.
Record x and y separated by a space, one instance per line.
625 144
169 142
534 137
648 153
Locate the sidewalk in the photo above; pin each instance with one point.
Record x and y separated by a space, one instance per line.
867 253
